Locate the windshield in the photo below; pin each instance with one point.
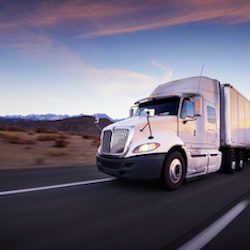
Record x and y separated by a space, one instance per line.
161 107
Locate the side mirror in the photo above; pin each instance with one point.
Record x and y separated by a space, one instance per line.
131 112
97 120
198 106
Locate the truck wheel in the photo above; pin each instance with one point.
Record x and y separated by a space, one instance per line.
174 171
231 162
241 161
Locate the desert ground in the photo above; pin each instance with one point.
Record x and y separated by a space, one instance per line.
30 149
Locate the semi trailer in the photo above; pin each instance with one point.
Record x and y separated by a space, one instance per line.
185 128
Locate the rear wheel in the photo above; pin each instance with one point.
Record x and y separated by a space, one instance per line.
231 162
174 171
241 161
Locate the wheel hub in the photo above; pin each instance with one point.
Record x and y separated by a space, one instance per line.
233 166
175 170
241 163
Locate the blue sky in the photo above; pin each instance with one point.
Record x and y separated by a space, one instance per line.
71 57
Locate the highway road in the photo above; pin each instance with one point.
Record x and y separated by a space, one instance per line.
66 208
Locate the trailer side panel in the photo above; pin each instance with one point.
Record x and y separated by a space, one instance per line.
235 119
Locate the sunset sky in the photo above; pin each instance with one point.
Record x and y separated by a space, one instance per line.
87 56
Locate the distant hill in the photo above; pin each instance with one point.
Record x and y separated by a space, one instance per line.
78 125
102 115
34 117
52 117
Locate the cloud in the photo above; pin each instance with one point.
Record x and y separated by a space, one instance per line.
158 65
167 70
47 13
168 75
108 82
102 18
34 44
230 15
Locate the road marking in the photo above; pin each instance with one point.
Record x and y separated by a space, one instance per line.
209 233
18 191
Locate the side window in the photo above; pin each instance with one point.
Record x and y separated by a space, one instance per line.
211 115
187 109
190 109
183 110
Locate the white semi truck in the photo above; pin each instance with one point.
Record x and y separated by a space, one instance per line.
185 128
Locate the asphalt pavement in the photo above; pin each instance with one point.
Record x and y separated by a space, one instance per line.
120 214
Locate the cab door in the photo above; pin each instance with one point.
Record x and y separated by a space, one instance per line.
187 124
191 132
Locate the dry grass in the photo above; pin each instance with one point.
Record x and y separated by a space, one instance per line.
47 137
61 143
30 132
89 137
2 135
95 139
42 129
62 135
14 138
16 129
75 151
17 139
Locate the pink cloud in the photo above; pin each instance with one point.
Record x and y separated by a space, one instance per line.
100 18
181 14
51 12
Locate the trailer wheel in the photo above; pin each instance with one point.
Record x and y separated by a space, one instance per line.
174 171
231 163
241 161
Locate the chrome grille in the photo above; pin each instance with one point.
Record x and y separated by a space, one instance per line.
114 142
106 141
118 141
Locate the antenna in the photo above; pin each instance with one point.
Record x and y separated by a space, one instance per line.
202 68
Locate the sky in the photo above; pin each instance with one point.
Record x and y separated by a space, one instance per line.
86 56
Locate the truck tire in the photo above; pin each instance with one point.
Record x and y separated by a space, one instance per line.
241 161
174 170
231 162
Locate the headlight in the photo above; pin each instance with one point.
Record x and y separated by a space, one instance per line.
146 147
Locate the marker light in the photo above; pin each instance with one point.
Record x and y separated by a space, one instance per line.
146 147
197 106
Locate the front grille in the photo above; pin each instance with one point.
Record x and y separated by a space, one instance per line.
114 142
106 141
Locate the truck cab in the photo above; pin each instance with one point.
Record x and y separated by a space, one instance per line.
171 135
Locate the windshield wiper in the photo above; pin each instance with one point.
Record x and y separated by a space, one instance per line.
149 126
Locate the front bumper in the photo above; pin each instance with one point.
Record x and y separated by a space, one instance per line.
136 167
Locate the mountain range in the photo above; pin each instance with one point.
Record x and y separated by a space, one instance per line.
78 125
53 117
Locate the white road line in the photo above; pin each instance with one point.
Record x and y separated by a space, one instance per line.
209 233
18 191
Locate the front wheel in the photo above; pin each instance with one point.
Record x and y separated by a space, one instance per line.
174 171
